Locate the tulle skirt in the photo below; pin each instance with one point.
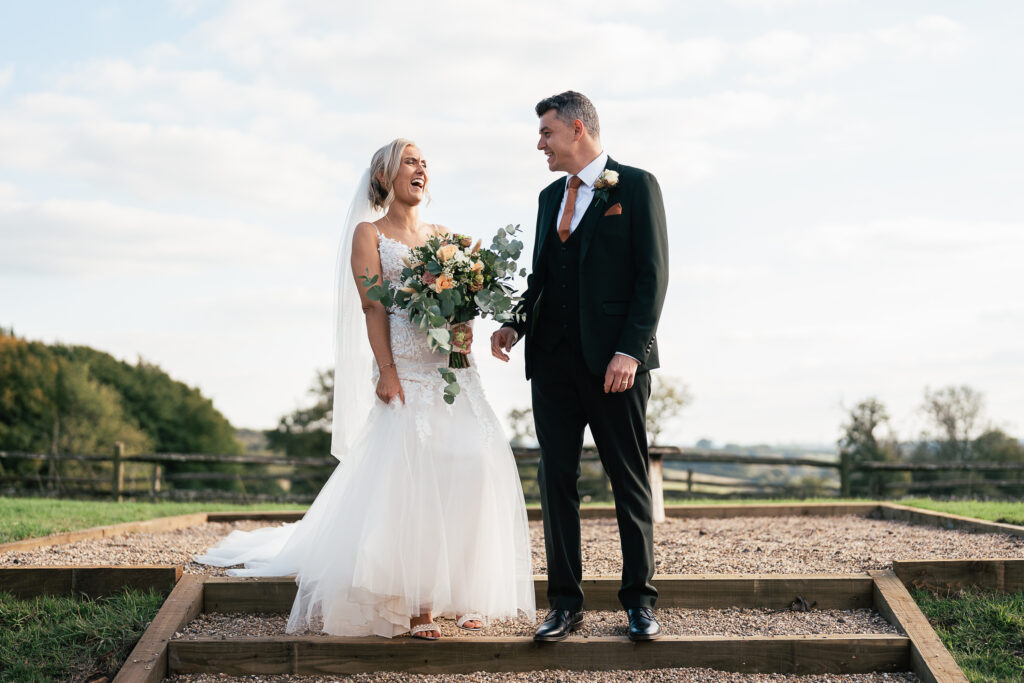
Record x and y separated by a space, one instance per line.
426 513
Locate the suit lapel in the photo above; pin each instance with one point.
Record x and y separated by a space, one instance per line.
547 220
591 215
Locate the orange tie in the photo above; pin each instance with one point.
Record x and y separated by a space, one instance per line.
570 206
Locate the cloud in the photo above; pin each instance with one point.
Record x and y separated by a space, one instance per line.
783 57
913 236
94 238
932 36
6 76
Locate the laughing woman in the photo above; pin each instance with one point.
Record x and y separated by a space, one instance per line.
424 516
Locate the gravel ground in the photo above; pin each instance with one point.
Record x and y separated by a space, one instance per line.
740 545
677 622
646 676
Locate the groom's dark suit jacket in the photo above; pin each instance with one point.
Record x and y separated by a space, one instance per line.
623 271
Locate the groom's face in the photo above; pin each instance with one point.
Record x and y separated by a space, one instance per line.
557 141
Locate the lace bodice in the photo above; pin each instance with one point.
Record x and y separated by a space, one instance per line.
417 365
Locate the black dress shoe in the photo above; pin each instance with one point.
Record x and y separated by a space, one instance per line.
642 624
558 625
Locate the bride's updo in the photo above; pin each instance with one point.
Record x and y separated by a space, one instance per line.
386 162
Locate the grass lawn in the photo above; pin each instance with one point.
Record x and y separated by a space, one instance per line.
70 639
31 517
983 631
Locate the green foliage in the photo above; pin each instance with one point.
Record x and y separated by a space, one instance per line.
74 399
983 631
177 417
58 638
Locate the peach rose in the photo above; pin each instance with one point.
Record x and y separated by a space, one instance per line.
446 252
477 266
444 281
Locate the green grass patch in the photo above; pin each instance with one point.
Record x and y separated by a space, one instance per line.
1007 512
983 631
58 638
31 517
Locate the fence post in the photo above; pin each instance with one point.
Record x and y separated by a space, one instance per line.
689 481
844 474
657 488
117 481
154 485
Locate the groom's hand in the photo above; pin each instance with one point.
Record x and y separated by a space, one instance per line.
620 374
502 341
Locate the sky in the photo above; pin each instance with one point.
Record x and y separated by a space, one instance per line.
841 180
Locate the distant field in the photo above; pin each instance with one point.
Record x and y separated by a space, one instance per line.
31 517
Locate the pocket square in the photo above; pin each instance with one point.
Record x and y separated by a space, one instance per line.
614 210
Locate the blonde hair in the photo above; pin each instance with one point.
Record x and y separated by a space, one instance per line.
386 162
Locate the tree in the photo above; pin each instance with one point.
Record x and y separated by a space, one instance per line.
306 432
861 442
668 398
75 399
954 412
520 421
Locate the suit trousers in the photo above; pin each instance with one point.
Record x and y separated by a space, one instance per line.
567 398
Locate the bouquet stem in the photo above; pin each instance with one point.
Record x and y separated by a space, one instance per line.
456 359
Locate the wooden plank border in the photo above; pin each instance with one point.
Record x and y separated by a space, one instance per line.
690 591
92 581
879 510
155 525
333 655
902 513
1004 575
930 660
147 662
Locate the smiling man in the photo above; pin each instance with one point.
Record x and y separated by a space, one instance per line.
591 309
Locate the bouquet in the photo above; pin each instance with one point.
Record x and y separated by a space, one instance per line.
448 282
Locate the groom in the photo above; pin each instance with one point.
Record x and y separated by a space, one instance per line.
592 303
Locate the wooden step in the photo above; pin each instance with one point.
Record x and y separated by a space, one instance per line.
333 655
692 591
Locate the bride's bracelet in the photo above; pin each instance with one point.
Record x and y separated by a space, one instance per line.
388 365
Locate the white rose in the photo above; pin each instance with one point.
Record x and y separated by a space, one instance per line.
611 177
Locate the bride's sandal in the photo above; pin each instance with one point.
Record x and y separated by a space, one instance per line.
429 627
472 616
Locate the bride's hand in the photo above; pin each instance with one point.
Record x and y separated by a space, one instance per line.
388 386
463 345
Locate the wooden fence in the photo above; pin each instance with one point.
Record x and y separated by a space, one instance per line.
673 475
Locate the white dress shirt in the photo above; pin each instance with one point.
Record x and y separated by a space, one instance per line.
584 193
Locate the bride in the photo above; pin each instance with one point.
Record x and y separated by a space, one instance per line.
425 515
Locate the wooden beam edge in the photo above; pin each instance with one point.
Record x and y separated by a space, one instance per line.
929 658
147 662
946 520
305 654
156 524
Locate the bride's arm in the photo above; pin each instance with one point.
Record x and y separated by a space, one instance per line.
365 256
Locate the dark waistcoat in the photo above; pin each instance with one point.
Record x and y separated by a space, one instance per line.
560 302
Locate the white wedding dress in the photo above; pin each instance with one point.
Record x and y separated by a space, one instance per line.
425 512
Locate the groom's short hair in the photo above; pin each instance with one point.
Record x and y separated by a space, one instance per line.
570 106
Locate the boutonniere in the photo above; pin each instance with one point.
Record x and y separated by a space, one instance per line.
605 183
